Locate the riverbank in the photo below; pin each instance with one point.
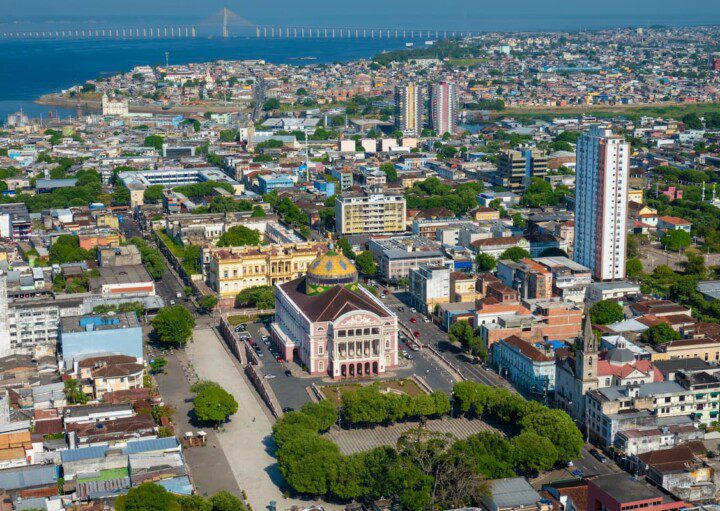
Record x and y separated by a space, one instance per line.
95 104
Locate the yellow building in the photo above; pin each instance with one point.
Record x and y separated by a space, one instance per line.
233 269
463 287
107 220
635 195
484 214
369 213
705 348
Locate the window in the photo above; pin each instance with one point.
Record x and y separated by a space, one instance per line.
320 349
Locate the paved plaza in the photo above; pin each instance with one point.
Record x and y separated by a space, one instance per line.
247 437
357 440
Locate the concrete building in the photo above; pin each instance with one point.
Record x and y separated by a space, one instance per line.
171 177
115 280
516 167
126 255
429 286
577 375
409 106
444 108
5 343
117 334
620 492
332 325
530 279
269 182
396 256
233 269
114 106
15 221
530 369
369 213
601 186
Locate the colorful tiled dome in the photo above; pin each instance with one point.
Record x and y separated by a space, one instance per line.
331 269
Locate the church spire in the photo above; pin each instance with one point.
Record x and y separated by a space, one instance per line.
589 340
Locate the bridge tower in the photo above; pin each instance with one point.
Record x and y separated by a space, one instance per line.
225 23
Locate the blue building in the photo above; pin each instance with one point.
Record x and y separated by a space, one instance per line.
529 369
326 187
117 334
269 182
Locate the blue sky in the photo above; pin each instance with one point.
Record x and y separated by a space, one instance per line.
446 12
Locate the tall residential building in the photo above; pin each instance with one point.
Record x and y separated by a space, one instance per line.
4 325
369 213
409 109
601 187
444 107
517 167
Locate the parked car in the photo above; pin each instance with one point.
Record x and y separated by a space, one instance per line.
413 320
413 310
598 455
426 320
416 334
408 356
401 308
288 409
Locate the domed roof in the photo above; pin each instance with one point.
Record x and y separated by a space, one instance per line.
331 268
620 356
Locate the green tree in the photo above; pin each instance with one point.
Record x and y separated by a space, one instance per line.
239 236
147 497
659 334
194 502
228 136
676 239
390 172
207 302
155 141
74 393
121 195
515 254
344 245
226 501
533 453
634 268
365 263
260 297
309 463
605 312
157 365
66 249
271 104
174 325
559 428
692 121
695 265
485 262
324 412
257 212
153 194
553 252
214 404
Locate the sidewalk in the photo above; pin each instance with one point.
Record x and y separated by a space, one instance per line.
246 439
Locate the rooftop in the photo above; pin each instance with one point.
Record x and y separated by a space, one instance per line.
625 488
99 322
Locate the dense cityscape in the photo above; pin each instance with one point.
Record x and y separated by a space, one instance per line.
477 272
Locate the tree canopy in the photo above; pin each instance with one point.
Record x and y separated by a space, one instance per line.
214 404
239 236
174 325
260 297
605 312
514 253
365 263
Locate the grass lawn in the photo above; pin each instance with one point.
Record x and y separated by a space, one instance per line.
632 111
237 319
335 392
105 475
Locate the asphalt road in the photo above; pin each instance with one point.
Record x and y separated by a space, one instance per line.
432 334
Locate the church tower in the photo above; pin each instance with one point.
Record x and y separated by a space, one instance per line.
587 356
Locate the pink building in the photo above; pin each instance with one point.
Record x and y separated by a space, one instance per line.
329 323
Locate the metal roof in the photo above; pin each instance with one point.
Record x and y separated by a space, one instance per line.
513 492
153 444
84 453
28 477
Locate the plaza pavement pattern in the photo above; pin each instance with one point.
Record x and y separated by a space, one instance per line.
352 441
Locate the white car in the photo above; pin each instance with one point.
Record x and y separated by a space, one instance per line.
426 320
413 310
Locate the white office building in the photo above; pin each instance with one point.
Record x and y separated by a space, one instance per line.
601 186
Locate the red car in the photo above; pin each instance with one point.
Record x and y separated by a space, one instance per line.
413 320
417 334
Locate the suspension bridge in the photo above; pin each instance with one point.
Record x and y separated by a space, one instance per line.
228 24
